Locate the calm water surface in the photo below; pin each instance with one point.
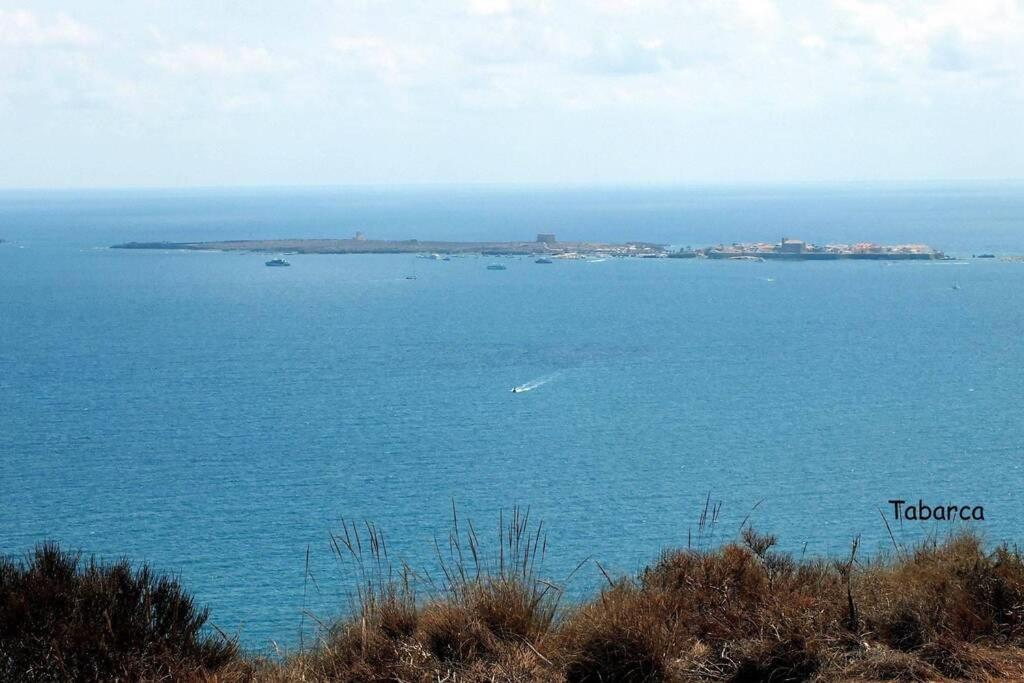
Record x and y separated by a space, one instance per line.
217 417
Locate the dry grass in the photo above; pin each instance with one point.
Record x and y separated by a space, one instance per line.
740 611
737 612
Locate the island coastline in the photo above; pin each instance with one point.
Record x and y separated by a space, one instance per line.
546 245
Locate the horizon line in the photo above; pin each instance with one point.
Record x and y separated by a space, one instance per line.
530 185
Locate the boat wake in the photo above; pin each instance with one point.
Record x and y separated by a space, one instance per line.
534 383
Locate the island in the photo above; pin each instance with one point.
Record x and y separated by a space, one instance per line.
545 244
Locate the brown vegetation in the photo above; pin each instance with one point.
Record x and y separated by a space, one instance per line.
62 619
945 610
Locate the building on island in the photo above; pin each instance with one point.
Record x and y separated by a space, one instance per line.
792 249
788 246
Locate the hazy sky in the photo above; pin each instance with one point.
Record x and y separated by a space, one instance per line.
184 92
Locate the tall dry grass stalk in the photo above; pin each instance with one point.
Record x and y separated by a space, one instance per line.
483 606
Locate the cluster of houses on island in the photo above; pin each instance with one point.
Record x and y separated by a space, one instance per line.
788 248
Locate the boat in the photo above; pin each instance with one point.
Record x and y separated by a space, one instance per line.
956 285
746 258
496 266
543 260
410 277
277 263
984 256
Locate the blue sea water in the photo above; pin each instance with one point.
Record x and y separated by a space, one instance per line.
217 418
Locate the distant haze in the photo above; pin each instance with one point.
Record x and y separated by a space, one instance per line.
313 92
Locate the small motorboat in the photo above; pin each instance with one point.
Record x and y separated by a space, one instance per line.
496 266
543 260
277 263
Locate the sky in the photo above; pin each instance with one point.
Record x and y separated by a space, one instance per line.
154 93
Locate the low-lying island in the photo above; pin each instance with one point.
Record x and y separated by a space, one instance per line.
546 245
360 245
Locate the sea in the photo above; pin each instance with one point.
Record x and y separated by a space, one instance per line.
220 420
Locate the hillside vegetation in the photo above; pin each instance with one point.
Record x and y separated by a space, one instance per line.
947 609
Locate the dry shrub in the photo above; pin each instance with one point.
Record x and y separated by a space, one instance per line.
714 592
510 609
958 660
781 661
762 613
623 636
944 592
65 619
885 664
354 652
452 633
741 612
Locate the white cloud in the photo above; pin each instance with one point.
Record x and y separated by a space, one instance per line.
389 60
763 15
426 68
812 41
218 60
490 8
20 28
630 56
941 34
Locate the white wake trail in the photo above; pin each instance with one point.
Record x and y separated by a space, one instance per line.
534 383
